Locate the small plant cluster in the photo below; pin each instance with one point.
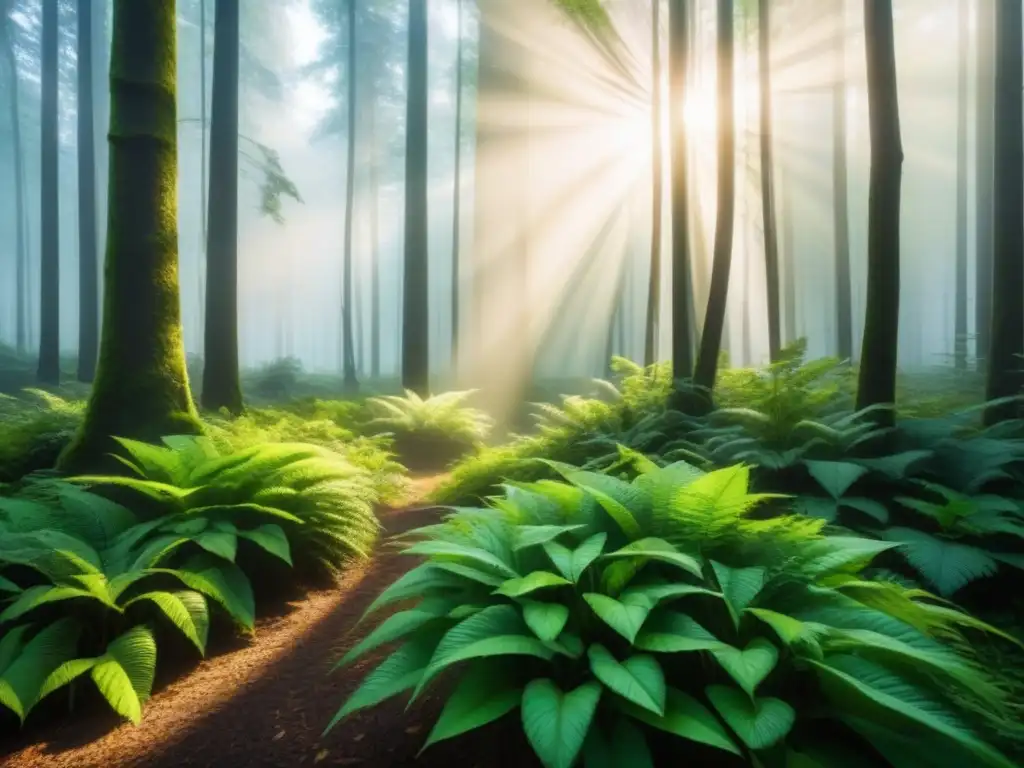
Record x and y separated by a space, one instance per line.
89 585
620 620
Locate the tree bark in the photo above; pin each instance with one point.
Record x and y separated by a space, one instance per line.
141 387
88 268
960 310
876 382
48 371
840 193
771 237
203 165
375 318
17 150
1007 334
657 193
415 293
718 293
457 191
221 385
985 177
350 380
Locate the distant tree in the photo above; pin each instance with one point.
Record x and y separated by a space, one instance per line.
960 303
88 262
840 191
48 371
351 382
657 193
771 235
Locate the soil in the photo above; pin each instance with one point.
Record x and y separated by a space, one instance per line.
266 702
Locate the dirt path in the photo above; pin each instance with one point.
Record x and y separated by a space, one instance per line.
265 704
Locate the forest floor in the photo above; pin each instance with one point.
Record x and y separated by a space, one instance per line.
266 702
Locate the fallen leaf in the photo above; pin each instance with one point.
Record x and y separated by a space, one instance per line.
359 737
414 729
320 756
278 736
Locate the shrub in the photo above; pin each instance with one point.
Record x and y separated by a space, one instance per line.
663 605
34 429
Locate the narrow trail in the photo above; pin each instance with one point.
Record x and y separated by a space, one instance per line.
267 702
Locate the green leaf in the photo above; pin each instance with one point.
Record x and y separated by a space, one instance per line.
460 552
222 581
835 477
625 617
750 666
532 535
223 545
945 564
638 679
817 507
272 539
421 580
485 693
547 620
739 585
397 626
788 629
6 585
556 723
187 610
624 747
760 723
571 563
468 572
34 597
124 674
23 677
530 583
687 718
870 507
673 632
660 550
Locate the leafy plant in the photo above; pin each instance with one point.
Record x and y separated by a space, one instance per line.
663 604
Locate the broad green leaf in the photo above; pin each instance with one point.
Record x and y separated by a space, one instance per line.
835 554
421 580
397 626
547 620
687 718
532 535
485 693
468 572
660 593
835 477
530 583
870 507
6 585
272 539
638 679
739 586
673 632
124 674
222 581
625 617
65 674
461 552
660 550
760 723
22 679
621 500
818 507
750 666
187 610
945 564
788 629
624 747
571 563
556 723
34 597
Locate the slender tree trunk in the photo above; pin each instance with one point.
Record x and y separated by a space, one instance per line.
141 387
960 325
985 176
415 293
718 294
657 193
457 192
789 258
682 293
48 371
21 255
351 382
221 385
877 375
840 185
203 165
375 338
1004 376
771 237
88 268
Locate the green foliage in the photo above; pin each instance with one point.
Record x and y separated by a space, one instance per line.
34 428
607 610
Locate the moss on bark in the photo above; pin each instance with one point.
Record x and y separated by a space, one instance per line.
141 388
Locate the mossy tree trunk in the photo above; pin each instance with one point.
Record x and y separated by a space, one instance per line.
88 267
718 293
657 194
415 293
1007 334
984 131
141 388
771 235
876 383
48 371
221 385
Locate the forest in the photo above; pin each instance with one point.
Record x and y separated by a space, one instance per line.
534 384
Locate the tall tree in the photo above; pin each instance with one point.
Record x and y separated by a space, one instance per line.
984 143
88 267
415 313
657 193
840 193
7 32
351 382
457 187
960 309
48 371
771 236
141 387
1004 375
682 333
374 184
221 385
204 159
718 293
876 383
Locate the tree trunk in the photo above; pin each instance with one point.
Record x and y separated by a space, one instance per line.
840 185
221 385
682 293
457 192
657 193
771 237
1004 377
351 382
48 371
375 338
141 387
21 255
789 258
960 325
203 165
718 293
876 382
415 293
88 268
985 177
